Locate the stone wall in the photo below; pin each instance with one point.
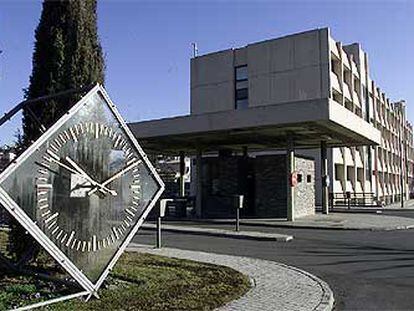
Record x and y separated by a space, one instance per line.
305 189
265 194
220 185
270 186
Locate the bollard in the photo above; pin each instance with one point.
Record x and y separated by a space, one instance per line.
348 196
240 206
159 232
163 206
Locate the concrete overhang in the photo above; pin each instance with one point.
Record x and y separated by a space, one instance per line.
306 123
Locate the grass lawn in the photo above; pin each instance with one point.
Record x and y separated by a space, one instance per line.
139 282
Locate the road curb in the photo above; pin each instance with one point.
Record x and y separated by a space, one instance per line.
246 235
299 226
394 228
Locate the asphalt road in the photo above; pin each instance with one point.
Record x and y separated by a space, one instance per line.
367 270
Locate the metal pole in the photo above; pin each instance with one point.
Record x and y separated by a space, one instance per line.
237 219
402 167
290 168
8 115
159 232
199 188
182 172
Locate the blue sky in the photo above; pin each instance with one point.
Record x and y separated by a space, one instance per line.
147 44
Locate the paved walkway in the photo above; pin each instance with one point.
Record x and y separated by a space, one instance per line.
276 286
408 205
344 221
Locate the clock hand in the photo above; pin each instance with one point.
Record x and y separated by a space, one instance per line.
76 173
117 175
79 170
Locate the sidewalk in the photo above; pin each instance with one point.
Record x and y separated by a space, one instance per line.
408 205
249 235
336 221
342 221
275 286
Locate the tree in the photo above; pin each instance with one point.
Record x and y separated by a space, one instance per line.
67 55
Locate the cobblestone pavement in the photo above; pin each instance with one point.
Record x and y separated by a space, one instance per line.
275 286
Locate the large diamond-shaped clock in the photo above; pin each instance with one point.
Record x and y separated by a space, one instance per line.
83 188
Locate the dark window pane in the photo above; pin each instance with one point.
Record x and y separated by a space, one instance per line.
242 94
242 104
309 178
241 73
242 84
299 178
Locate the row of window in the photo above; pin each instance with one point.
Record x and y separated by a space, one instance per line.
242 87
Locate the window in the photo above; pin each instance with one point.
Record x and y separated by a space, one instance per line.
241 73
242 94
356 85
350 173
241 90
309 178
339 171
299 178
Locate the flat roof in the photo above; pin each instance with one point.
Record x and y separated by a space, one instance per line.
305 123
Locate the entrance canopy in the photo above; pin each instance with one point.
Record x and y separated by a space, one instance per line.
305 123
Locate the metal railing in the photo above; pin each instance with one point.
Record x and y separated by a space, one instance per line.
353 199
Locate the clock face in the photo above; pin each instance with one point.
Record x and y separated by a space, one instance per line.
85 185
85 170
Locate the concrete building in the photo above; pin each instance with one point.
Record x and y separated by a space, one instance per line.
307 66
284 94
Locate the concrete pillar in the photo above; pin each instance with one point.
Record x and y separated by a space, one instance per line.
182 172
324 178
199 186
290 168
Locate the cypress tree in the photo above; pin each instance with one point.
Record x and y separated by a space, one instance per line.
67 55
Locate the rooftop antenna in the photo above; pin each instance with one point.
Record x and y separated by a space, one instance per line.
195 49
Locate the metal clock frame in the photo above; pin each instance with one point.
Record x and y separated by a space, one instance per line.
17 212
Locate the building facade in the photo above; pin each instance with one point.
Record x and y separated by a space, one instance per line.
305 67
253 111
385 170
